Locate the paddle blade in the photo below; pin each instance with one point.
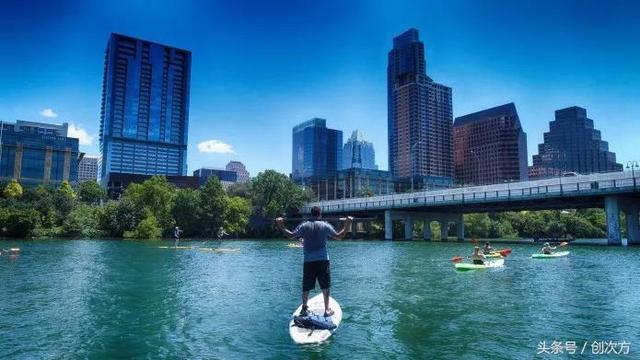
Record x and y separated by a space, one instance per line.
505 252
457 259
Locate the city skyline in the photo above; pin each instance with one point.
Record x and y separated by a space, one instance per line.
566 63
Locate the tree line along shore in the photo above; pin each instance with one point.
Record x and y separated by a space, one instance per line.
151 210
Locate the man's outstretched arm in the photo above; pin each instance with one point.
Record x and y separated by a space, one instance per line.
280 226
347 223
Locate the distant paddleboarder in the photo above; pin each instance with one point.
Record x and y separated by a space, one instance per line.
176 236
221 233
315 233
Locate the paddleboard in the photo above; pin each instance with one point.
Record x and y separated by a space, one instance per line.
175 247
488 264
301 335
292 245
220 250
550 256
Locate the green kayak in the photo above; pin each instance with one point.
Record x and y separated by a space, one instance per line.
488 264
550 256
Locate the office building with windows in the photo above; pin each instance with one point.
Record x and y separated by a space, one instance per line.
226 177
145 110
572 144
358 153
88 168
420 117
490 147
317 150
37 153
239 168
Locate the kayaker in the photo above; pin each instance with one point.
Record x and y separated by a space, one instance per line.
487 249
221 233
316 266
548 249
477 257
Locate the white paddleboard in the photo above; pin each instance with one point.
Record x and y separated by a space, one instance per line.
316 307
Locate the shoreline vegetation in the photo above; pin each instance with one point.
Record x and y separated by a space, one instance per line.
151 210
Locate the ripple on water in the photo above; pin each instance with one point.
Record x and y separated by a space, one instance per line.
106 299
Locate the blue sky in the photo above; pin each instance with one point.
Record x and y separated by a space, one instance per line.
261 67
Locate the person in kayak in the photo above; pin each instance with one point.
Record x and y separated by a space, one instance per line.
477 257
547 249
316 266
221 233
487 249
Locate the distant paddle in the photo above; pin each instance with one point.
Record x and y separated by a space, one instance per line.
457 259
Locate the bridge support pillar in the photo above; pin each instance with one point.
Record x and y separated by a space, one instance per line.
388 225
633 228
612 208
408 227
426 229
460 227
444 230
354 229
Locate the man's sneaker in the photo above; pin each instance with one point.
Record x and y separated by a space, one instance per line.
329 313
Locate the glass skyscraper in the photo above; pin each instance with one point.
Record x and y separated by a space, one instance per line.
572 144
317 150
358 153
489 146
420 116
37 153
145 109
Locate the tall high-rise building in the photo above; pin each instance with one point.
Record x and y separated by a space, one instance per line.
145 109
358 153
489 146
37 153
239 168
317 150
88 168
572 144
226 177
420 116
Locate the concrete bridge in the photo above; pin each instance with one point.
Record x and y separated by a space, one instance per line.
615 191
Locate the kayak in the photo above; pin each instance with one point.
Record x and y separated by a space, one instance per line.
488 264
291 245
493 255
550 256
175 247
219 250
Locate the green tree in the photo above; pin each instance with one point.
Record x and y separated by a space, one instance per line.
83 222
242 189
90 192
477 225
213 204
238 211
273 194
13 190
148 228
67 190
186 207
155 197
19 221
120 216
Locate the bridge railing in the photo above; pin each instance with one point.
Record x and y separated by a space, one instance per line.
591 184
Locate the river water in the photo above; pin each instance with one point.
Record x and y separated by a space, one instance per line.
125 299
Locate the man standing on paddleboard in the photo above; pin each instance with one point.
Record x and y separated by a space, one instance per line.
315 233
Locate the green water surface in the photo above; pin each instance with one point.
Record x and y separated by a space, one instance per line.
122 299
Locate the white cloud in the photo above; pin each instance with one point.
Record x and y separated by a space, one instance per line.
215 146
80 133
48 112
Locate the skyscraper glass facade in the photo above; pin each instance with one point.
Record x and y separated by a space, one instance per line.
490 147
572 144
37 153
317 150
358 153
145 103
420 116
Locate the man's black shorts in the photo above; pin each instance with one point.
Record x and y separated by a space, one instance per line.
316 270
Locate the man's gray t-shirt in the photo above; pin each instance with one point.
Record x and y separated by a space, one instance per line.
315 234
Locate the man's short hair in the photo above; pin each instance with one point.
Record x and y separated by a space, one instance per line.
316 211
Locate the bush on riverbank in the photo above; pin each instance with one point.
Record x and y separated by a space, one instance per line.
148 210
